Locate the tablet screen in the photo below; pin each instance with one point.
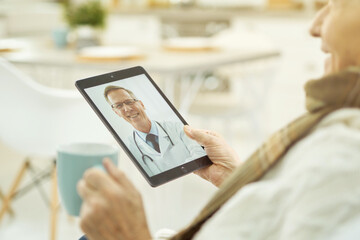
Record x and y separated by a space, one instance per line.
145 122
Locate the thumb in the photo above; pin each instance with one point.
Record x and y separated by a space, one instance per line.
115 173
203 137
109 166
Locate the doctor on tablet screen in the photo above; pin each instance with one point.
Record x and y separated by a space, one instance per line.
158 146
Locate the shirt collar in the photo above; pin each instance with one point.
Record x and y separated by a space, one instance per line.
153 130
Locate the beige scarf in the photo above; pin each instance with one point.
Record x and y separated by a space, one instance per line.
323 96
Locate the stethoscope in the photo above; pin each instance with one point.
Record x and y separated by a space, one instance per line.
145 155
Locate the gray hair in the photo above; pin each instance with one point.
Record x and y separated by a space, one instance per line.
111 88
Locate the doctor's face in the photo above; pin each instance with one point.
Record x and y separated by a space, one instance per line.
338 26
130 109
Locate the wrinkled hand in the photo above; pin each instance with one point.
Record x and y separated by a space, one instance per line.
224 158
112 208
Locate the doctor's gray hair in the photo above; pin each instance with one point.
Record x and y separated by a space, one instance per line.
110 88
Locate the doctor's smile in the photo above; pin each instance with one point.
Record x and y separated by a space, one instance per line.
134 116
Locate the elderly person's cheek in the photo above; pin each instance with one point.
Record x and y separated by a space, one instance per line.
342 38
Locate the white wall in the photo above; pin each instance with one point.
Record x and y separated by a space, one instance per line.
29 17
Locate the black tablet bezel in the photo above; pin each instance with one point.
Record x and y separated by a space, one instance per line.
163 177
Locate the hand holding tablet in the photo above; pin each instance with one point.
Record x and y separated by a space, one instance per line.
145 124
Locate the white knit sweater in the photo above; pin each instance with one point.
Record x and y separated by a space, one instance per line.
312 193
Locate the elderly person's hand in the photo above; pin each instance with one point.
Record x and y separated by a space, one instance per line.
112 208
224 158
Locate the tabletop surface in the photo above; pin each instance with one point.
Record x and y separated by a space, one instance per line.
155 58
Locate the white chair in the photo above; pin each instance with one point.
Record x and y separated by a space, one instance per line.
36 119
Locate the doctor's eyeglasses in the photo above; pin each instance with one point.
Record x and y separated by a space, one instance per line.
119 106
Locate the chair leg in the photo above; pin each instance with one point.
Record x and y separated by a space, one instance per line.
54 204
2 197
14 187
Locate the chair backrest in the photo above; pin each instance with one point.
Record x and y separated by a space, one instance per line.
36 119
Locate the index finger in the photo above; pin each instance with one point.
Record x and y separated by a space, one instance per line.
116 174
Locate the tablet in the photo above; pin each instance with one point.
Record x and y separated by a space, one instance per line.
144 123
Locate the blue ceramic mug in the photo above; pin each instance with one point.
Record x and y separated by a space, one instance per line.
71 163
59 36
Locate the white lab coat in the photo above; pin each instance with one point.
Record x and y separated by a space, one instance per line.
170 156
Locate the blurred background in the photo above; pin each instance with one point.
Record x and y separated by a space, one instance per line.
233 66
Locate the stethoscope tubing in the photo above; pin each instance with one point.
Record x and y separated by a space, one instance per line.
143 156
